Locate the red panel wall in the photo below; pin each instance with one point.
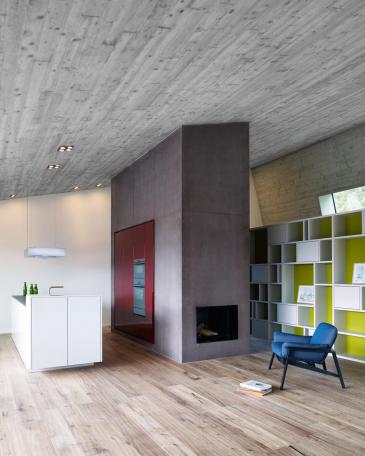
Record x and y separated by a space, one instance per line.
130 244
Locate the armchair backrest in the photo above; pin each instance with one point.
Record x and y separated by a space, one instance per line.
324 334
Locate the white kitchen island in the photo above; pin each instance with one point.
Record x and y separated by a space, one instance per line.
52 332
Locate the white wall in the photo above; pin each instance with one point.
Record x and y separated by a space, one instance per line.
79 222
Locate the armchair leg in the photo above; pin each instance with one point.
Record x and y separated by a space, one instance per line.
271 360
324 365
284 373
338 369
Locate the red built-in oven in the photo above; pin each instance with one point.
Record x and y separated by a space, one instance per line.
134 281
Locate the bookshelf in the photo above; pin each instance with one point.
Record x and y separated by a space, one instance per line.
320 252
259 284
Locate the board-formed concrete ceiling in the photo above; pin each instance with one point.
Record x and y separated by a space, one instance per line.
114 77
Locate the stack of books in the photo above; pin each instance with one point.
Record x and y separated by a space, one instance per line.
254 388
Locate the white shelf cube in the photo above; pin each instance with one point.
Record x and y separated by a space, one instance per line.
348 297
287 313
308 252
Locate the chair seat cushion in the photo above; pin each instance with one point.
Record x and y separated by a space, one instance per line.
302 355
281 351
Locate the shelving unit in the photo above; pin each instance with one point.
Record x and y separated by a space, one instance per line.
319 252
260 276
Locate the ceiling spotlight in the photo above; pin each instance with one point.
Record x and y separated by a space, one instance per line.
65 148
13 195
57 166
76 187
99 185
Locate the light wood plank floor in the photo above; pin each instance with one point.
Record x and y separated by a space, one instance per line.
138 403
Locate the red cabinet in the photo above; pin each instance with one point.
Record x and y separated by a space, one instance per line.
134 281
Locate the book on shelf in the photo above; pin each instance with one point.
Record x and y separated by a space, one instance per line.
254 385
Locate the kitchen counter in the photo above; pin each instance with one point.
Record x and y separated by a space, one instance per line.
52 332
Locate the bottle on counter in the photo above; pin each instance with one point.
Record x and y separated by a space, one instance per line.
25 289
35 289
31 289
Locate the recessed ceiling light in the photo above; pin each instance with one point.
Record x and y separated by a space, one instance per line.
13 195
76 187
99 185
65 148
56 166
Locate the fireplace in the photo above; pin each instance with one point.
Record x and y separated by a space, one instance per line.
216 323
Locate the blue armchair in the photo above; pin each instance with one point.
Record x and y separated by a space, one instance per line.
306 351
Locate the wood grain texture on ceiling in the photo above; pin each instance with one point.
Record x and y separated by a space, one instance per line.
114 77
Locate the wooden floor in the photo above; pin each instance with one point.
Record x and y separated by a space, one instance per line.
137 403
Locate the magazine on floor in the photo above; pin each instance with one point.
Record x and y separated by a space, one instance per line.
255 388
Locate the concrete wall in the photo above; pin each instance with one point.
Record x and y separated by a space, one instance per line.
215 231
151 189
78 221
288 188
255 211
195 185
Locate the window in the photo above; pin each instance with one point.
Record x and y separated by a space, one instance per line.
347 200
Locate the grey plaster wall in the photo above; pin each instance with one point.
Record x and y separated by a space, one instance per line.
151 189
215 194
288 188
196 186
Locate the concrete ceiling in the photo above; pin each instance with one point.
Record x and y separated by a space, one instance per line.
114 77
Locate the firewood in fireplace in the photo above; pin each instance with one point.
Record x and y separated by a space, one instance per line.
204 331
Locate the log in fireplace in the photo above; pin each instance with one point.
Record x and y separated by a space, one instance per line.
216 323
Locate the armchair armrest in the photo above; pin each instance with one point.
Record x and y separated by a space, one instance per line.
306 347
291 338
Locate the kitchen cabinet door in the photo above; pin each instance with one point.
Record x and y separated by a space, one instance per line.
49 332
84 330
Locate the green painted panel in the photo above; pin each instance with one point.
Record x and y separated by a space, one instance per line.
311 316
326 228
303 275
355 345
355 253
329 304
329 273
355 321
353 223
327 268
300 231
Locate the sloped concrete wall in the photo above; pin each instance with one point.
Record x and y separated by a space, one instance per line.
288 188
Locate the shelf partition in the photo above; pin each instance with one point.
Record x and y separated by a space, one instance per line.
320 228
348 224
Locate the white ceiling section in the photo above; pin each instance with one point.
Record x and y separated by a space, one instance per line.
114 77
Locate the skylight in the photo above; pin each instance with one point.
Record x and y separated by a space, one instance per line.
344 201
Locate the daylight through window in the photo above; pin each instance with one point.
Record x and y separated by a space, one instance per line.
344 201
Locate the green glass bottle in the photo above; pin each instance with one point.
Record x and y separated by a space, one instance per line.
25 289
31 289
35 288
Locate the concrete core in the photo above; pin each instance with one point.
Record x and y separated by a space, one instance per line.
195 185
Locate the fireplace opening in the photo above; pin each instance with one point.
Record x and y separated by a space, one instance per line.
216 323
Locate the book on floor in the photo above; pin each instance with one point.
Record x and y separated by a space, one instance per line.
254 393
254 385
